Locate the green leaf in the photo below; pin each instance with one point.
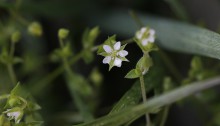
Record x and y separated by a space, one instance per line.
119 118
18 90
134 73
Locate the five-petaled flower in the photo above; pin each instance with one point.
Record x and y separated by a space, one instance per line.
15 113
114 55
145 35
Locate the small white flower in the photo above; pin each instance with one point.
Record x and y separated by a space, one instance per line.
15 113
114 55
145 35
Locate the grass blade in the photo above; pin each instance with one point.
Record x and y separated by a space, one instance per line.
172 35
125 115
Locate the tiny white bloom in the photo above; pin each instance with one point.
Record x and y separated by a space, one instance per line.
145 35
15 113
114 55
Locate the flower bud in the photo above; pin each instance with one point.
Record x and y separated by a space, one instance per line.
16 36
63 33
96 77
93 34
35 29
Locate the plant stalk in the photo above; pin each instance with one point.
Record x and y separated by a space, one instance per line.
143 91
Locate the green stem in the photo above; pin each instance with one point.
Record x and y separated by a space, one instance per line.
143 91
10 68
164 116
136 19
170 65
4 96
127 41
83 108
19 18
24 101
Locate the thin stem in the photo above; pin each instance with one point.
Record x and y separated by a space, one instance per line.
143 91
164 116
24 101
127 41
4 96
136 18
19 18
10 68
168 62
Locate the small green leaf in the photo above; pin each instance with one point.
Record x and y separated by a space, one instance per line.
144 63
19 91
134 73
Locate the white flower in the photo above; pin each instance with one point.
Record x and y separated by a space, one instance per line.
15 113
114 55
145 35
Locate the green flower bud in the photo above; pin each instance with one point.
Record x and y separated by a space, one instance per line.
13 101
96 77
16 36
63 33
93 34
35 29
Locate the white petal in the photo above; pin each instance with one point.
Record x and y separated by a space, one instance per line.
151 39
152 31
107 48
123 53
139 35
117 45
143 30
145 42
117 62
107 60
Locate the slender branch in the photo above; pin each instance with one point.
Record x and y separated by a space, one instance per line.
164 116
10 68
143 92
4 96
136 19
171 66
